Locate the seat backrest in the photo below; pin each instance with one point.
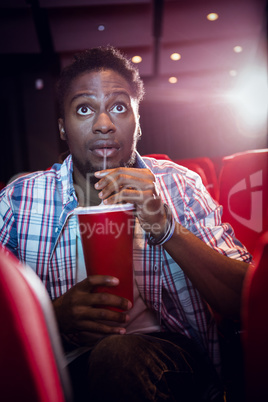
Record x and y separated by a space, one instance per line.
243 185
32 364
255 324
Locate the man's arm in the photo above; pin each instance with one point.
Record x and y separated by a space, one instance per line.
218 278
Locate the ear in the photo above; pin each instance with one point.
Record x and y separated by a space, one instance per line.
62 130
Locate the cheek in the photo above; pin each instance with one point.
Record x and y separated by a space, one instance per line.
77 130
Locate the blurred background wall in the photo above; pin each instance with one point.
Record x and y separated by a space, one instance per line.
216 104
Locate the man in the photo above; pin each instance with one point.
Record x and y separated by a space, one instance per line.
165 346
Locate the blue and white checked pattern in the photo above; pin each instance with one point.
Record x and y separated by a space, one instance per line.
37 225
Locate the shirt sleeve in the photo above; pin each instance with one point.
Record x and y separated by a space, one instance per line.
203 218
8 232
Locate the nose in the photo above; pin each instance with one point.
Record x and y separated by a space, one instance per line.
103 124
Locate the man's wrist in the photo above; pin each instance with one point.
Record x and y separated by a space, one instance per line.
158 240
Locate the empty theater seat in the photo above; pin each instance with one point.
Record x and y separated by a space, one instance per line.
32 365
255 325
243 184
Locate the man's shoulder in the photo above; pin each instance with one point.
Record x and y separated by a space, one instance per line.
55 176
174 175
164 166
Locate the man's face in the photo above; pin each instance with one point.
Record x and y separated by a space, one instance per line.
99 114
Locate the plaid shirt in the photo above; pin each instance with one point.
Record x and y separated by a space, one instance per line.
37 224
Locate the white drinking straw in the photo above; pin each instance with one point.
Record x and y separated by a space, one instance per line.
104 158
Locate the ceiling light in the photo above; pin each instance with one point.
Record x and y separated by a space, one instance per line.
173 80
238 49
212 16
39 84
101 28
136 59
175 56
233 73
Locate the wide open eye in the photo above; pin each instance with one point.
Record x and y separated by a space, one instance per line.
119 108
84 110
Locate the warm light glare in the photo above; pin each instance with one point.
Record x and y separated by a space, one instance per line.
136 59
212 16
39 84
238 49
249 97
233 73
175 56
173 80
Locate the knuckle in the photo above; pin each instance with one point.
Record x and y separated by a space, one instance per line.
123 304
103 298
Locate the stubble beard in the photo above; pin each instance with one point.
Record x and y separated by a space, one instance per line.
87 170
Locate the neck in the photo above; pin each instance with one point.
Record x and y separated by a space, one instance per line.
86 193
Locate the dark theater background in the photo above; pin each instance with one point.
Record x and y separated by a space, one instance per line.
210 100
204 65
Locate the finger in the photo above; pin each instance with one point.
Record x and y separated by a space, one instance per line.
114 182
122 170
96 280
96 331
88 314
108 299
134 171
129 195
137 178
100 328
102 280
146 200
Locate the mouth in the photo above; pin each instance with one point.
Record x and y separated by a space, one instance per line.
102 148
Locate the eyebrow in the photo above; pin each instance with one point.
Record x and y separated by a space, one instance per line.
91 95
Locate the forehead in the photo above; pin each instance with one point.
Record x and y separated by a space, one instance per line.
99 82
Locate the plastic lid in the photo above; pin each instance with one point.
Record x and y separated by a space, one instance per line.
104 208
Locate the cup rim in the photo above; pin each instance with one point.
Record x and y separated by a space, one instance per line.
103 208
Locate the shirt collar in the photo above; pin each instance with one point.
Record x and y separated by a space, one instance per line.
67 175
67 178
140 164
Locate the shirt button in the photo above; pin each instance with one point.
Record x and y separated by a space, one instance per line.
155 268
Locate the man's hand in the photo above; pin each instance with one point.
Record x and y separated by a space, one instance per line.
80 314
136 186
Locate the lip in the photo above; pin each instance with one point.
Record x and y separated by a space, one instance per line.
111 147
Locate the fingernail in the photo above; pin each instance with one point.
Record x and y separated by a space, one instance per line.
101 174
129 305
114 281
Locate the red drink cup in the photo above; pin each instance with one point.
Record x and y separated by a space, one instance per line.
107 240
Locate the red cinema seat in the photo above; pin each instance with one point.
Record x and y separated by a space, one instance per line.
255 325
32 364
209 171
243 185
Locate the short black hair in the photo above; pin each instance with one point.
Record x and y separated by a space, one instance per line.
98 59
